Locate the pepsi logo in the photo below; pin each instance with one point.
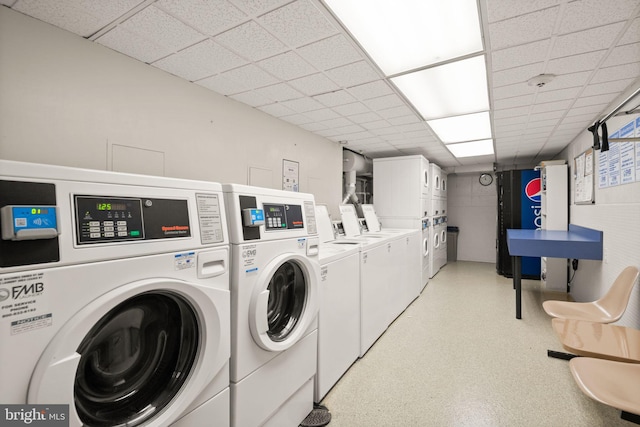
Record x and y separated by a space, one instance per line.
532 190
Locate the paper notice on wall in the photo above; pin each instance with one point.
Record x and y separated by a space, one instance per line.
614 162
627 154
603 169
290 175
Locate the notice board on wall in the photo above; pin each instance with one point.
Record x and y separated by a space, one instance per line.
584 173
621 164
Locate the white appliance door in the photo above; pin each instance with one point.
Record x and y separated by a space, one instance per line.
284 303
139 354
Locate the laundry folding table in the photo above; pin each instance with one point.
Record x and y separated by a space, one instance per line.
577 243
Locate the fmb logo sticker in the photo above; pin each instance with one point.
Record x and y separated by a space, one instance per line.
34 415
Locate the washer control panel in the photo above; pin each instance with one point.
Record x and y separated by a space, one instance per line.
283 217
107 219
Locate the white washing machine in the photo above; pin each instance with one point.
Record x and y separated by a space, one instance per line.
274 305
426 252
376 278
114 293
442 254
339 308
434 234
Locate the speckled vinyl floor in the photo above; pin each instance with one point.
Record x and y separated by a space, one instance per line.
458 357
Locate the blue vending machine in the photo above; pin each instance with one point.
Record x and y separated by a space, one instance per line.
519 195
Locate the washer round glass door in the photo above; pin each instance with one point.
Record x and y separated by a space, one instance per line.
284 302
135 360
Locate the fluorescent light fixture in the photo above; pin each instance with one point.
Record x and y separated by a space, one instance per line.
472 148
404 35
447 90
469 127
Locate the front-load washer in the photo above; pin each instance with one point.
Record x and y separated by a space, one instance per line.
115 299
426 249
339 306
434 237
274 305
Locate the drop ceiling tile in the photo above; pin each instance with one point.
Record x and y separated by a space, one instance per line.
8 3
510 121
336 123
364 135
379 124
510 133
131 44
250 76
353 74
575 63
276 110
512 112
632 34
351 129
517 75
313 127
580 118
398 136
297 119
604 100
563 133
329 133
551 106
279 92
389 113
518 56
303 105
508 128
258 7
223 85
333 99
594 110
518 101
497 10
287 66
617 86
539 128
80 17
383 102
510 91
619 72
382 131
314 84
322 114
200 60
583 14
152 23
523 29
546 116
371 90
251 98
330 53
414 128
351 109
557 95
404 120
298 23
565 81
364 117
251 41
210 17
600 38
621 55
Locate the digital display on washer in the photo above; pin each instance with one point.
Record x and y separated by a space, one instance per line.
283 217
108 219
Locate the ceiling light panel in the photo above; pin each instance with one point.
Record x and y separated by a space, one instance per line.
402 36
447 90
462 128
473 148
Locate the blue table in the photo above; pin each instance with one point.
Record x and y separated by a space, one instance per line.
577 242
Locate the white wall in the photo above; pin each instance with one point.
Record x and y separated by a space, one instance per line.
67 101
617 213
474 209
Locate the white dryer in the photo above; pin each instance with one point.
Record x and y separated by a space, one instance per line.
114 293
274 305
339 307
434 237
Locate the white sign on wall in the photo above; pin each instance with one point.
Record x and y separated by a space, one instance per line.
621 164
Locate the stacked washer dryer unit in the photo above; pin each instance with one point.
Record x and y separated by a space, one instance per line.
439 218
401 194
114 293
274 288
339 307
